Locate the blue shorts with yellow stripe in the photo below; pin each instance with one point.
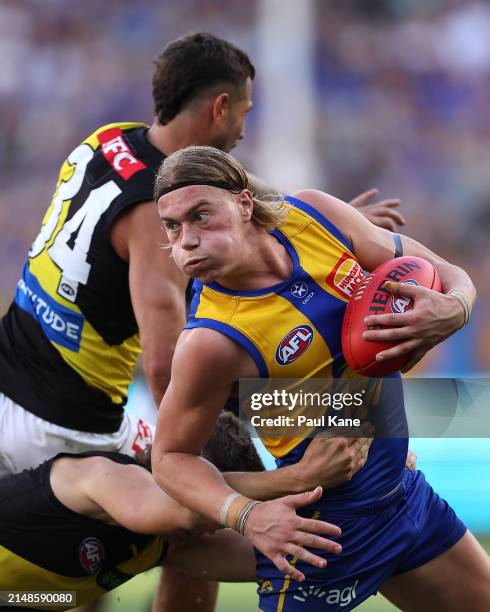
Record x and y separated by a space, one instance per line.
404 531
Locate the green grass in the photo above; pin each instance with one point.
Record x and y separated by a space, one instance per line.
136 595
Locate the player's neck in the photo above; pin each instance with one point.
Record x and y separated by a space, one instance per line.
183 131
265 263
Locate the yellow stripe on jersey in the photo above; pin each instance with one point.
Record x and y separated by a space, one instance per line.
93 141
19 574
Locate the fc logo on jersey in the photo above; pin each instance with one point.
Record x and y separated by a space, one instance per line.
299 290
118 154
400 304
294 344
91 554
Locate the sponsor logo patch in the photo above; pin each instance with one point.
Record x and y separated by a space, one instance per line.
400 304
345 276
118 154
299 290
333 597
294 344
60 324
68 289
91 554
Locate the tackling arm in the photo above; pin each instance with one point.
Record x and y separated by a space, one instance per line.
129 495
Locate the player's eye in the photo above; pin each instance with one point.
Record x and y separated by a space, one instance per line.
171 226
201 217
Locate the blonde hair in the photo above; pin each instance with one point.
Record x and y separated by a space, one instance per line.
202 163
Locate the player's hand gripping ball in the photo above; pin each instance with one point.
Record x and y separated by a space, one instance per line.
372 298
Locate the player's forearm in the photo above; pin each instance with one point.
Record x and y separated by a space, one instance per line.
268 484
158 346
451 276
157 374
192 481
160 326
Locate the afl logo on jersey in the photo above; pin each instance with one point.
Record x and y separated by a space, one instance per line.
401 304
91 554
65 287
294 344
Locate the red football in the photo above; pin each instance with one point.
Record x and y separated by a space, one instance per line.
371 298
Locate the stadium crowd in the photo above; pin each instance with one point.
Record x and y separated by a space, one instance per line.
402 90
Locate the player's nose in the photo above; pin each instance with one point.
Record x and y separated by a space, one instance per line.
189 238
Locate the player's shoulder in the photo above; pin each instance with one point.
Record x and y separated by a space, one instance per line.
321 201
209 341
92 468
209 351
120 154
81 461
105 132
123 151
326 206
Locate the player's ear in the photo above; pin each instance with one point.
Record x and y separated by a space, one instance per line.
246 204
220 106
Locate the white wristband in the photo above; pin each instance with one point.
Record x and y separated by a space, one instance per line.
465 302
223 514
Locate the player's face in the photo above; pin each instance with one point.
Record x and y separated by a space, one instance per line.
205 227
233 128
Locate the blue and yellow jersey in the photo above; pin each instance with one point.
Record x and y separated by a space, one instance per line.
292 329
45 546
70 340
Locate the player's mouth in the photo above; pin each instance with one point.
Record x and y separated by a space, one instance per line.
191 265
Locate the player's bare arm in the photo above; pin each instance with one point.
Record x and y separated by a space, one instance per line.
129 496
137 238
121 494
205 366
327 462
435 315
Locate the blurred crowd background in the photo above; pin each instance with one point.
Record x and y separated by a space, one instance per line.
400 94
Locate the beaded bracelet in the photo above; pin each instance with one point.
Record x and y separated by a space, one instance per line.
244 514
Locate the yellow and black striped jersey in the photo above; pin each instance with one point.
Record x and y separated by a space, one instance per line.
48 547
69 342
